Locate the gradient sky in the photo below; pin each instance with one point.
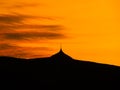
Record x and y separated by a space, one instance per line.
87 29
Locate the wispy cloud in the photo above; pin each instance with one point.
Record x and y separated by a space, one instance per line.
6 27
22 52
14 29
24 5
19 4
18 29
11 25
4 46
11 18
32 35
16 18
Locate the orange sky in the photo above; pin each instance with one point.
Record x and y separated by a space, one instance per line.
87 29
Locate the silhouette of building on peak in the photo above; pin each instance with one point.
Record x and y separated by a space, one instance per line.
59 71
61 55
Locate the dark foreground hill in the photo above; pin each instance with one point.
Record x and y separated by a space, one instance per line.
58 72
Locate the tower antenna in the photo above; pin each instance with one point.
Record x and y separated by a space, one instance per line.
61 46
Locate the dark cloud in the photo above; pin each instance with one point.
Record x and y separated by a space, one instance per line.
45 27
36 27
4 46
17 21
33 35
16 28
8 46
23 52
24 5
11 19
19 5
11 27
19 18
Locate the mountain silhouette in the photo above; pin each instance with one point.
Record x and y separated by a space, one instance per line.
57 72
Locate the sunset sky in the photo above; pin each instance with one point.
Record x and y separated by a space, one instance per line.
87 29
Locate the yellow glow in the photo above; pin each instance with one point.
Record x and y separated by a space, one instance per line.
92 27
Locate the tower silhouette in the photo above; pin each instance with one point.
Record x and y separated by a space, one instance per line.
60 55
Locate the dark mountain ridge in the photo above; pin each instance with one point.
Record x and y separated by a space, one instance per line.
59 71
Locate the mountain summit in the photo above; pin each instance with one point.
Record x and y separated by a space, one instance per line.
57 72
61 56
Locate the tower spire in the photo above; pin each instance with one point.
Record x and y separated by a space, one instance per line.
60 47
61 55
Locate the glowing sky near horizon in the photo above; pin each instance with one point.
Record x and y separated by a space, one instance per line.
87 29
